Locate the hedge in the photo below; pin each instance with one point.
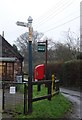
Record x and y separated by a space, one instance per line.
69 73
54 68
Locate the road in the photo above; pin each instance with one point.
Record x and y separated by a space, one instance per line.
75 98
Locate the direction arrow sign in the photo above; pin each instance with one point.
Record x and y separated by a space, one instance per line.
22 24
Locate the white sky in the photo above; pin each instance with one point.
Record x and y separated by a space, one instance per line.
46 14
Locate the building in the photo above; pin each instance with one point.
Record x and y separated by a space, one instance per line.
81 26
10 61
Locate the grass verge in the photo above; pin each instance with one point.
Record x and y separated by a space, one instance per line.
56 108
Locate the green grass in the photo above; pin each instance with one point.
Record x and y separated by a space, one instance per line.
39 93
20 88
19 109
56 108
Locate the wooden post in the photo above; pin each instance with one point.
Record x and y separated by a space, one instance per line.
52 84
39 87
49 90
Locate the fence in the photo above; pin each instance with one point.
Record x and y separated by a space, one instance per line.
49 83
16 99
14 96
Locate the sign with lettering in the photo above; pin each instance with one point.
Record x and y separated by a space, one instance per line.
41 47
12 90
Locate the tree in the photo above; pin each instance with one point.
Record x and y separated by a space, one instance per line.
79 56
69 49
58 51
73 42
62 52
22 43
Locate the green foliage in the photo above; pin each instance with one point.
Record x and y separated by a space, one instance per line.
79 56
71 73
20 88
39 93
18 109
54 68
56 108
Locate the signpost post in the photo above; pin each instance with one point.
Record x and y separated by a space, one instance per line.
29 25
30 67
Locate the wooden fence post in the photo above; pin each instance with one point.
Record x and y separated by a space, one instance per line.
53 84
39 87
49 90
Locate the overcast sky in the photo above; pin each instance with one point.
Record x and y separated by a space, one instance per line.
51 17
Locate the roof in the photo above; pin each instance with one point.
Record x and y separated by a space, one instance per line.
8 51
7 59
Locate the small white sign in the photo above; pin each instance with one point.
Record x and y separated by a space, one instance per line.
12 90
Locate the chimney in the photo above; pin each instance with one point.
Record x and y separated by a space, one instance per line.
3 34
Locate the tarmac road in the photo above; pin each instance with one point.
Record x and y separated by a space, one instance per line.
75 98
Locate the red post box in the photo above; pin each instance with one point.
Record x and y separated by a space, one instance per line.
39 72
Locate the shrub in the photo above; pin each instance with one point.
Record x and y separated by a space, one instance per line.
54 68
71 73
